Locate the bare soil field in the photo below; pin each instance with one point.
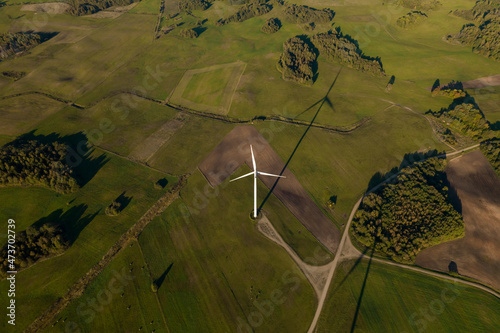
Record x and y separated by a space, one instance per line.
488 81
477 254
113 12
234 150
47 7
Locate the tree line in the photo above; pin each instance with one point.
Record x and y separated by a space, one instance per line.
35 163
411 213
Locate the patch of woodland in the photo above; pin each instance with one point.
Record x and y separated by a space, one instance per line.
303 14
484 34
245 12
412 212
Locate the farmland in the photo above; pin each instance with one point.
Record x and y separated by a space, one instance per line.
141 106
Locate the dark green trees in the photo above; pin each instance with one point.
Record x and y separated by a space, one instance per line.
410 214
36 163
298 61
271 26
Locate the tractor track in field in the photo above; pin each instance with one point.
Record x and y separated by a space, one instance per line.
78 288
231 120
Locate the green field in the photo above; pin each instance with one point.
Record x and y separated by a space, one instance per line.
207 87
207 268
214 262
397 300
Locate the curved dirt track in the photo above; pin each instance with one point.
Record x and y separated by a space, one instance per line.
234 150
475 255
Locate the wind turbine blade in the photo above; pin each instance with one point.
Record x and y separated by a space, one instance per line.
269 174
248 174
253 159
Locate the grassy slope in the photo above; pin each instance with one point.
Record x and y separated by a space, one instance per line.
398 296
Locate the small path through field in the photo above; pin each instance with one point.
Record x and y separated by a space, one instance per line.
346 250
77 289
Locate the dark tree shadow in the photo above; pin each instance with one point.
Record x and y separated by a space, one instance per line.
79 154
160 280
322 102
495 126
453 197
72 221
123 201
199 30
162 182
408 160
435 85
45 36
453 267
392 80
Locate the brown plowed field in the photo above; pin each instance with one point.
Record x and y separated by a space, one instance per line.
234 150
477 255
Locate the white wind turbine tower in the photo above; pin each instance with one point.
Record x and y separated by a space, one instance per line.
255 173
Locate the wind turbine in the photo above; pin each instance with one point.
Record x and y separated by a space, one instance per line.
255 173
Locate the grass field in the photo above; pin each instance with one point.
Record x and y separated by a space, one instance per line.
398 300
204 265
21 114
103 305
215 262
221 265
119 123
207 87
83 211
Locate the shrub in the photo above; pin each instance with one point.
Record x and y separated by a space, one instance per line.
298 61
411 19
271 26
113 209
188 33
